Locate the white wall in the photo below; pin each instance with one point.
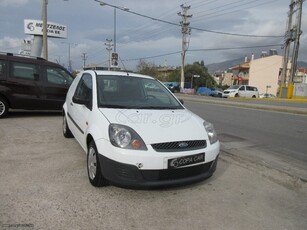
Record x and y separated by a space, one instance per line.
264 72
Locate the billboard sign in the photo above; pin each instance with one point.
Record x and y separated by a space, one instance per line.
35 27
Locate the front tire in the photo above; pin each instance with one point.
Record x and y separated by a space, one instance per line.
93 167
4 107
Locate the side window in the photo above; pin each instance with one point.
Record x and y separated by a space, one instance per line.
58 76
84 88
242 88
2 69
24 71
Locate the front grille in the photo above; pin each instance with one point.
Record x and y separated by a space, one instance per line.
173 174
179 146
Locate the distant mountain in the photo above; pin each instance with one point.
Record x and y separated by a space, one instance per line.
302 64
223 66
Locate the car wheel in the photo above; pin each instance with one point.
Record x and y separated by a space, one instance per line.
4 107
237 95
66 131
93 167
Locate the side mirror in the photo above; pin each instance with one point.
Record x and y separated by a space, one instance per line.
181 101
82 101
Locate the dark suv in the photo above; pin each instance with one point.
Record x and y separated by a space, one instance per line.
31 84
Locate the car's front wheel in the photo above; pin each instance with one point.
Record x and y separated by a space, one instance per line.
4 107
93 167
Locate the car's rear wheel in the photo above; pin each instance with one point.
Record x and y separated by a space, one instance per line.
4 107
66 131
93 167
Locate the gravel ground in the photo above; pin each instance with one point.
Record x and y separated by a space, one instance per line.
44 185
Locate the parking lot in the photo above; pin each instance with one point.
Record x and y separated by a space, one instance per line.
44 185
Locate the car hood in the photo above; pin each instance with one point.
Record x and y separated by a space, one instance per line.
156 126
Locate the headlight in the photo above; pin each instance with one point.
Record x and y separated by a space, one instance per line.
125 137
211 132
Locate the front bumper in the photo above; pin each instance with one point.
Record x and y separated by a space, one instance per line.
129 176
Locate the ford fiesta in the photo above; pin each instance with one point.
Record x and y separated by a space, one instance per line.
136 133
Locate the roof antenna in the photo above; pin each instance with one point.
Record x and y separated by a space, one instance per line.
123 65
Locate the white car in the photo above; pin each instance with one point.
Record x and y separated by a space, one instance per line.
241 91
136 133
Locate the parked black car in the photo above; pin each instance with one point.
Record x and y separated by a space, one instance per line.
31 84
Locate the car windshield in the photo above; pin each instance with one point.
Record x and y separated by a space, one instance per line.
133 93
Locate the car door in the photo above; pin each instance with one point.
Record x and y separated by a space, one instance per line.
241 91
56 84
80 106
25 86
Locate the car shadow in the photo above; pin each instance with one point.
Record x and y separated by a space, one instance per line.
32 113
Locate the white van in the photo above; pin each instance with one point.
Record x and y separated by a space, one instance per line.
241 91
136 133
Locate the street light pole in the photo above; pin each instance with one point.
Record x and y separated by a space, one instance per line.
114 18
69 59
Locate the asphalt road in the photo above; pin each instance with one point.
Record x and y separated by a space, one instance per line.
44 185
283 132
277 136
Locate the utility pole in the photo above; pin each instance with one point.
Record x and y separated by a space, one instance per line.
45 38
297 33
287 42
184 30
292 35
84 57
109 45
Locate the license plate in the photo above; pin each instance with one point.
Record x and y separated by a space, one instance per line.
185 161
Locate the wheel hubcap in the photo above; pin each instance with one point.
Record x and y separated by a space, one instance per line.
2 108
92 163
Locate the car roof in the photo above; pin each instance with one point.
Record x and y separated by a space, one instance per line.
117 73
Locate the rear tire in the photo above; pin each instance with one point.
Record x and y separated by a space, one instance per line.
4 107
93 167
66 131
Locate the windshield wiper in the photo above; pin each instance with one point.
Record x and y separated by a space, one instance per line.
157 107
114 106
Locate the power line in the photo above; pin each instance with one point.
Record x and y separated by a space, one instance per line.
194 28
207 49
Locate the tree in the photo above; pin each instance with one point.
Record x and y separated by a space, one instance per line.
205 79
147 68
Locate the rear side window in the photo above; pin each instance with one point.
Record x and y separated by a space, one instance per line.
24 71
251 88
58 76
2 69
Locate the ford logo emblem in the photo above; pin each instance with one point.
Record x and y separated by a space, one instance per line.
183 144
